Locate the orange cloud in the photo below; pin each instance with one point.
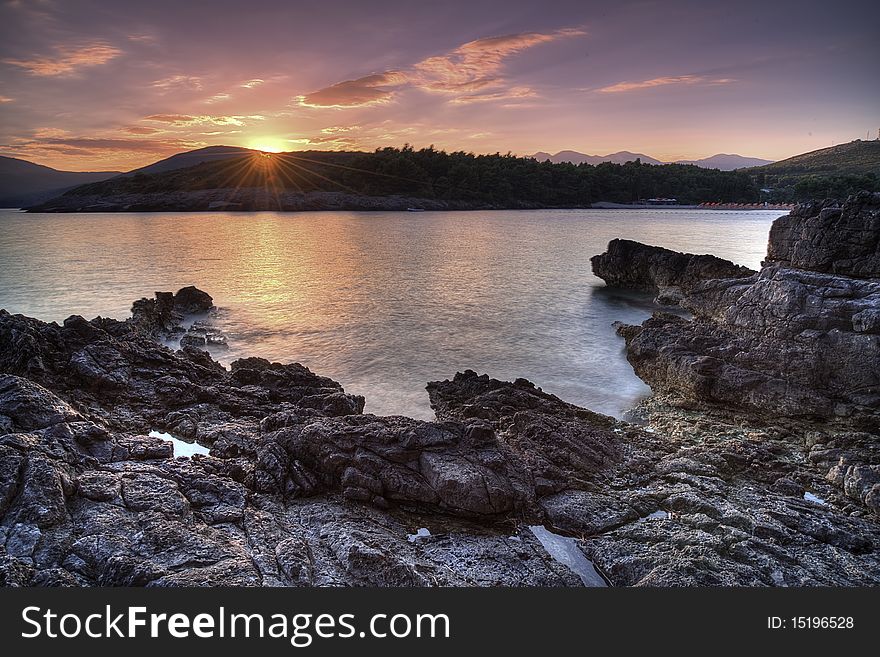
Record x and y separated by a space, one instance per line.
141 130
67 60
463 72
368 90
250 84
6 99
662 82
181 120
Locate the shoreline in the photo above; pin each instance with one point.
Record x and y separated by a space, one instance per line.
720 487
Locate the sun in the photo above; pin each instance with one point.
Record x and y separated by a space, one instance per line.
268 144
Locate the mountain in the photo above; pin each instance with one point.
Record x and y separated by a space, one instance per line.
726 162
192 158
621 157
721 161
25 183
856 157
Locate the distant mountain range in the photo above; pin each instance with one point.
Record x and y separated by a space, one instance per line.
723 161
25 183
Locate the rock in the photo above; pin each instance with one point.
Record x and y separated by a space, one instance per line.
667 274
195 341
830 237
787 341
191 300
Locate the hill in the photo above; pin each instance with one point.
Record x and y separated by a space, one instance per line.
192 158
25 183
836 172
280 180
856 157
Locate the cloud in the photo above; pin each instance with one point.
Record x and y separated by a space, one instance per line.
514 93
49 133
462 73
177 82
182 120
85 145
368 90
218 98
621 87
6 99
67 59
250 84
475 64
141 130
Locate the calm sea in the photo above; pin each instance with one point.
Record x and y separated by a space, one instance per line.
382 302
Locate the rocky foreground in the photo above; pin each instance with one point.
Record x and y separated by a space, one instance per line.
758 465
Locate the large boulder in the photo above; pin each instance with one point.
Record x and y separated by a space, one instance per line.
830 237
662 272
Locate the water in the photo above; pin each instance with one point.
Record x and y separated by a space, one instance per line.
181 447
815 499
383 302
566 551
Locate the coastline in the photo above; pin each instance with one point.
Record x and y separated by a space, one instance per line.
749 472
263 201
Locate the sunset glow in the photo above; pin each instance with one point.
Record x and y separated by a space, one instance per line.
148 80
269 145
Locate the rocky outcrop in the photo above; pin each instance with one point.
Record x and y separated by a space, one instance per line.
667 274
794 346
163 315
787 342
830 237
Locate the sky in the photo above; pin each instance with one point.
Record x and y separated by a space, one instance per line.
109 85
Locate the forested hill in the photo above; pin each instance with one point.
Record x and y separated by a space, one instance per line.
498 180
834 172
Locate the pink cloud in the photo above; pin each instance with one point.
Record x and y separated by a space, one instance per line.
462 73
368 90
475 64
177 82
67 59
182 120
662 82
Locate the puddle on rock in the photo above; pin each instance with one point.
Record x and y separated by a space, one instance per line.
422 532
181 447
565 551
659 514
